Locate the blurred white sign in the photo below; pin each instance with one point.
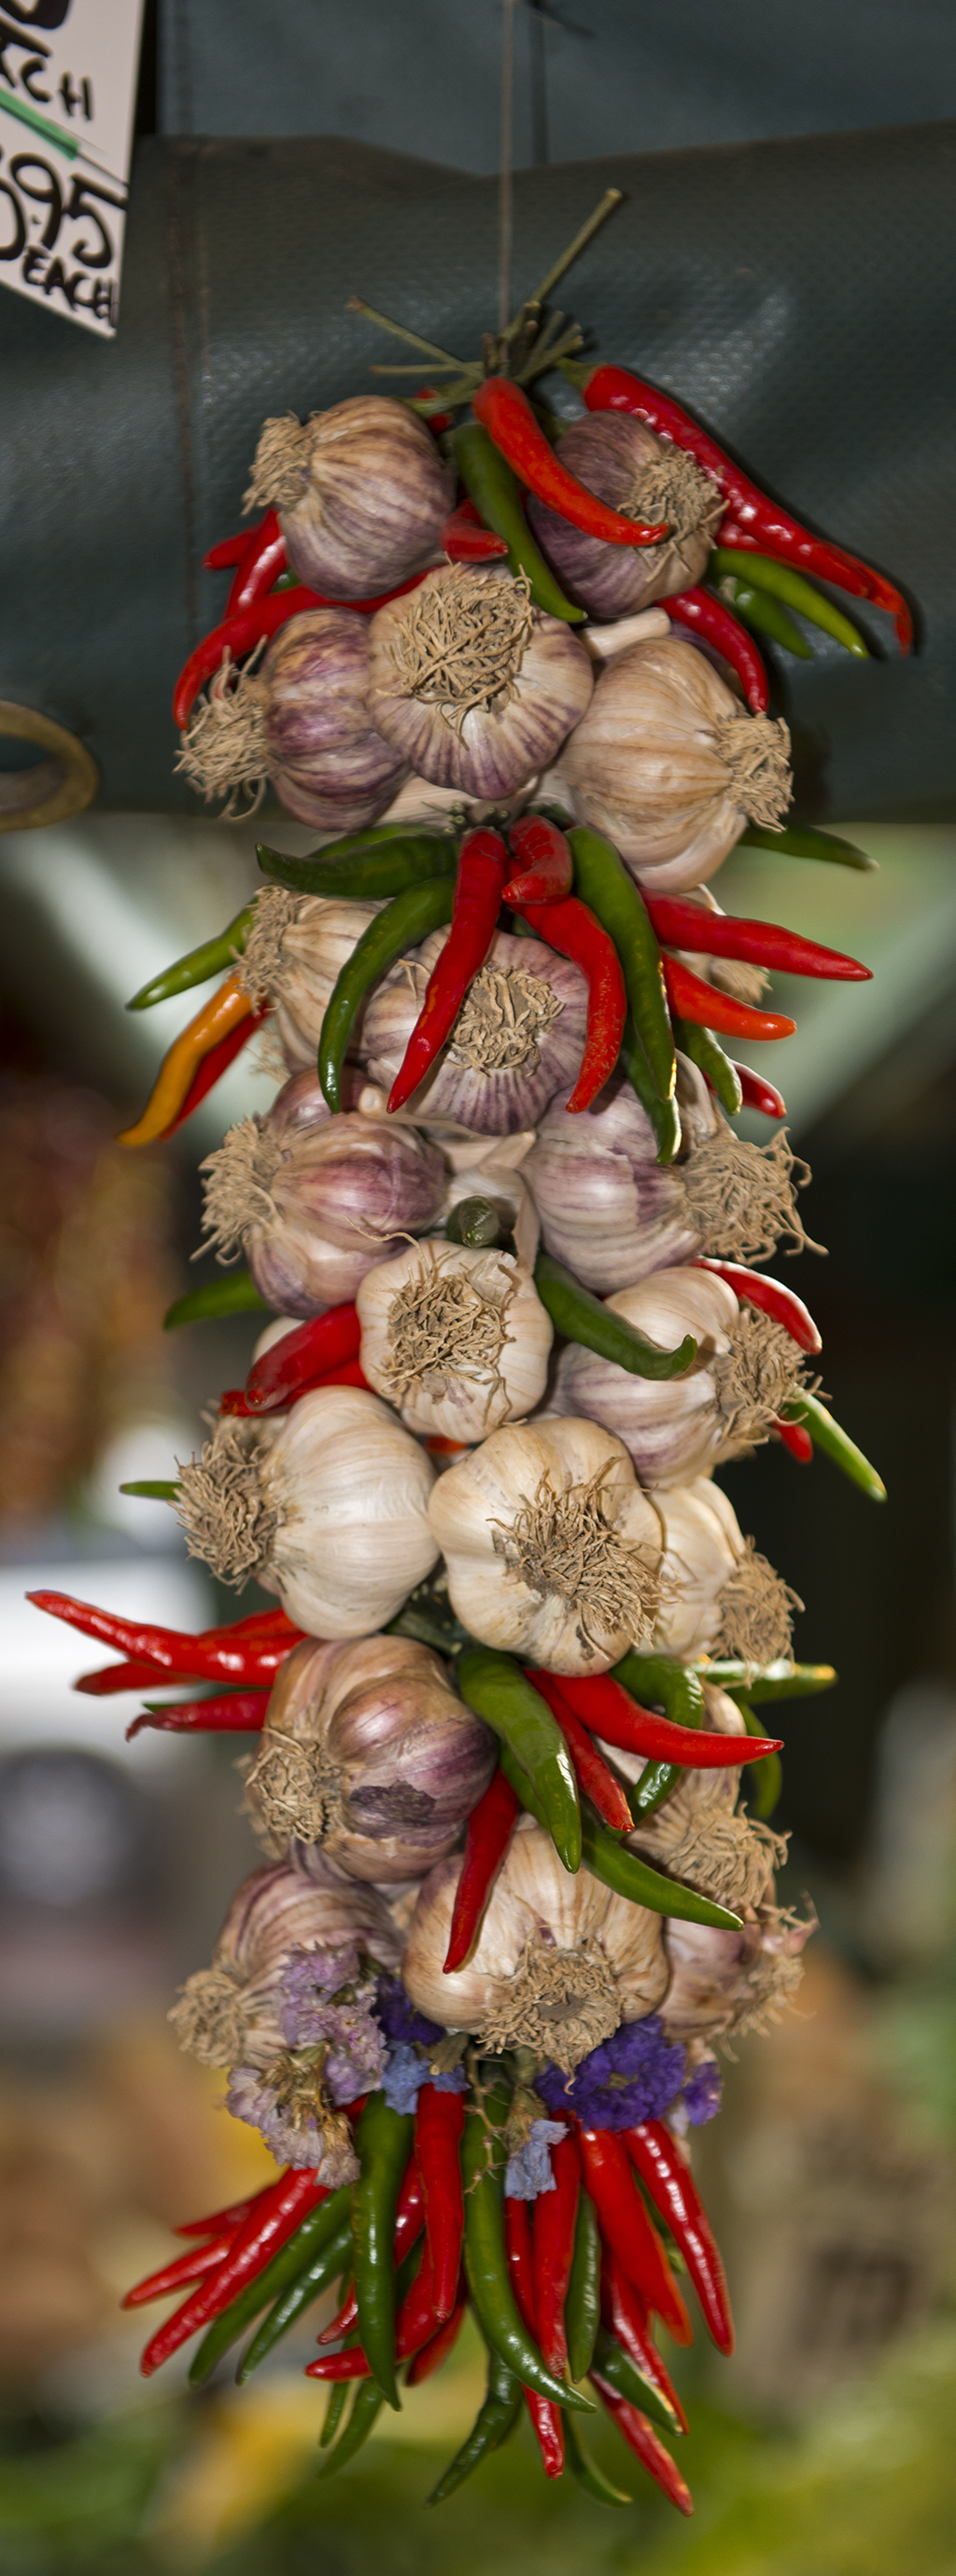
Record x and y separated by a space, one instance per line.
67 92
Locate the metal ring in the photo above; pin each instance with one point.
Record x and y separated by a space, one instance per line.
53 789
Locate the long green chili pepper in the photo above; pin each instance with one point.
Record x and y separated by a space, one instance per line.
617 1867
790 586
372 869
214 957
366 2410
497 2418
484 2156
406 920
768 616
603 882
237 1295
383 2144
836 1444
307 2286
582 1318
582 2307
615 2365
766 1777
338 2401
783 1681
664 1115
703 1050
801 841
585 2471
496 493
659 1677
494 1686
310 2240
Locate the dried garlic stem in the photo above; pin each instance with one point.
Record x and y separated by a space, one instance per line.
460 644
564 1545
762 1371
755 1606
561 2003
502 1019
742 1197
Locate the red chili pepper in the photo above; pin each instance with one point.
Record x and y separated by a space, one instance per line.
642 2440
265 558
680 924
625 2316
593 1777
439 2122
487 1836
691 999
552 2233
434 2353
174 2276
546 865
797 1440
236 1713
234 1399
545 2415
505 412
704 615
628 2230
436 421
572 928
321 1344
770 1295
464 540
760 1094
228 1653
409 2222
116 1677
667 2177
608 1709
483 865
230 2218
757 521
229 552
269 2225
215 1063
414 2327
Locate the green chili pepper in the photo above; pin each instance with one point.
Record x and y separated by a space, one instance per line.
585 2471
800 841
372 869
476 1222
153 1489
310 2240
659 1678
484 2156
582 2307
793 587
497 495
405 921
494 1686
602 881
766 1777
324 2267
622 2374
664 1115
703 1050
766 615
582 1318
338 2401
496 2419
620 1869
213 958
368 2405
836 1444
383 2144
657 1783
783 1681
236 1295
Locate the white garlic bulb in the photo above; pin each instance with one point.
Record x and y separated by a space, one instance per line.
328 1509
231 2010
474 687
718 1595
518 1038
457 1339
559 1962
314 1201
552 1550
643 477
300 720
747 1369
732 1981
367 1750
293 958
362 491
666 762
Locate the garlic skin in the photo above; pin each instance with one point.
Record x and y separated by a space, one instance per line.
718 1596
457 1339
643 477
314 1201
293 958
667 763
518 1038
732 1982
368 1751
328 1508
559 1962
473 687
230 2010
362 492
551 1548
606 1206
301 720
747 1368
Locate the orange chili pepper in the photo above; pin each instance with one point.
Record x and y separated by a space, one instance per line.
219 1016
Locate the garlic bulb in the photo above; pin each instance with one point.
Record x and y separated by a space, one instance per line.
718 1596
314 1201
368 1750
361 490
667 763
643 477
614 1215
473 687
293 958
301 721
747 1369
559 1963
732 1981
552 1550
328 1508
457 1339
517 1040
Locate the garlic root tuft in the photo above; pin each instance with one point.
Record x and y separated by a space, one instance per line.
742 1197
755 1606
221 1507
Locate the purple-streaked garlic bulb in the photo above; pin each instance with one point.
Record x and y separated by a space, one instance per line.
300 721
559 1962
367 1750
473 686
455 1337
666 762
610 1211
326 1505
362 491
314 1201
747 1369
718 1595
293 957
517 1040
642 477
723 1982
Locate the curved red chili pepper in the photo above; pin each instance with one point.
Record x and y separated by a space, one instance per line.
594 1779
322 1343
250 1649
691 999
414 2327
268 2227
439 2122
545 862
434 2353
760 1094
681 924
704 615
261 565
625 2316
552 2233
573 929
464 540
628 2230
483 865
642 2440
229 552
220 2220
604 1705
235 1399
174 2276
795 1438
667 2177
505 412
487 1836
236 1713
770 1295
545 2415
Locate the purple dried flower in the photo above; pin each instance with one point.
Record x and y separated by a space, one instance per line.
404 2076
398 2017
529 2172
454 2080
633 2076
702 2092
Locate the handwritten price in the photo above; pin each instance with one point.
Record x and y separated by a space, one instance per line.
74 263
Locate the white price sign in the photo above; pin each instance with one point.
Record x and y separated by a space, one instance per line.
67 93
